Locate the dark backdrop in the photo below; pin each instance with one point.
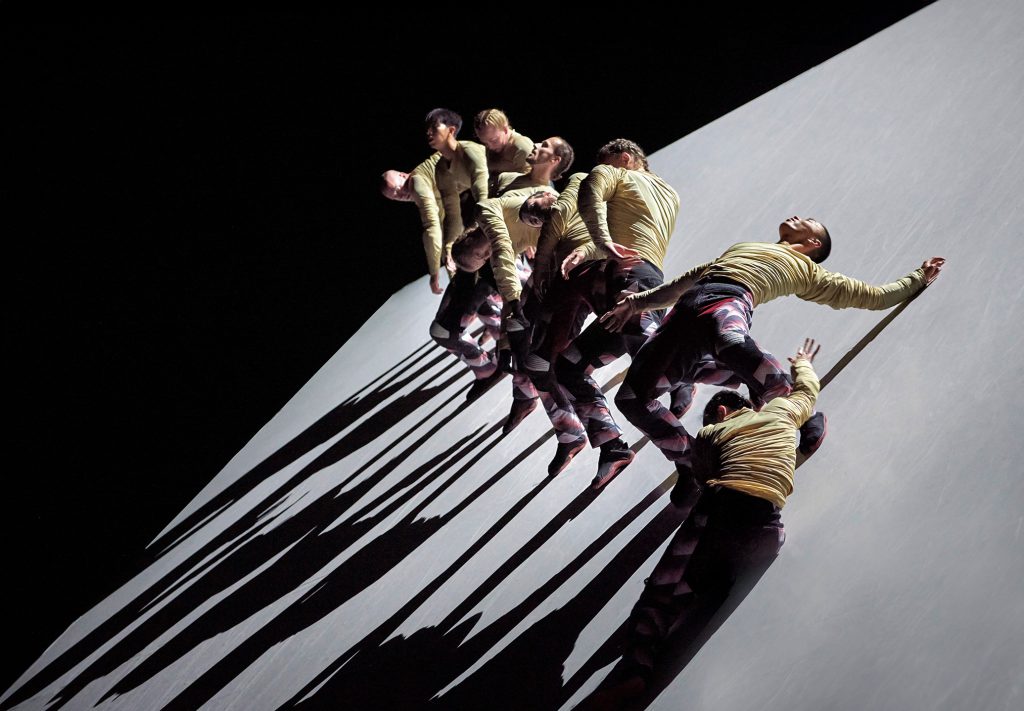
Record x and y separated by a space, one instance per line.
194 226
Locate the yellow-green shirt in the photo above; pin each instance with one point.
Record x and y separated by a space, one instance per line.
563 232
755 452
634 208
499 219
466 171
506 182
773 270
428 201
512 158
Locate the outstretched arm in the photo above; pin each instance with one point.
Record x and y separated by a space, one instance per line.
657 298
843 292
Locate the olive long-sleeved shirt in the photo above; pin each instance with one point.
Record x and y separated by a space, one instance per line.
499 219
467 170
774 270
425 194
563 232
512 158
755 452
634 208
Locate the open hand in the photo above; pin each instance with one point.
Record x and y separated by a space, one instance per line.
622 252
574 259
619 316
931 268
807 351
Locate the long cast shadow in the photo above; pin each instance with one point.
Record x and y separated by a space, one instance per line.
705 616
372 673
235 536
278 560
315 434
368 565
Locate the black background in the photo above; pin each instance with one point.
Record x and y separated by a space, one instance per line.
193 225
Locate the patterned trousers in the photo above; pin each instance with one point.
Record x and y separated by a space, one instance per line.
704 338
604 283
469 296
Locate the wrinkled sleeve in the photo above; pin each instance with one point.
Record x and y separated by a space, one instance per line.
554 229
491 216
453 226
842 292
798 406
430 219
476 163
667 294
594 193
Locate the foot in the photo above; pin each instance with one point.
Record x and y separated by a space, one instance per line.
520 409
613 460
482 385
564 454
812 433
682 400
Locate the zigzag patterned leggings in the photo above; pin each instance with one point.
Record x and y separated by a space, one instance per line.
711 321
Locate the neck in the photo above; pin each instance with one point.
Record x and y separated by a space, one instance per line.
541 174
449 148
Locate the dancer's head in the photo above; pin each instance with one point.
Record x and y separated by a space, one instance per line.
623 153
493 129
442 125
555 150
722 404
395 185
536 209
472 251
807 236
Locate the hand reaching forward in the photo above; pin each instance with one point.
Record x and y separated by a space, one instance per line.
931 268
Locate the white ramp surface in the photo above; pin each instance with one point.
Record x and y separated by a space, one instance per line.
378 544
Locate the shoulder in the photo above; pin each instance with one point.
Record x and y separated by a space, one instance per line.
523 143
608 172
474 150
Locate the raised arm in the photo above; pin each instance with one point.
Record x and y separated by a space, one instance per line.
798 406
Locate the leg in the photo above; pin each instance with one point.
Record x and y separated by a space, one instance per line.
658 367
594 348
725 545
459 305
762 373
556 323
597 346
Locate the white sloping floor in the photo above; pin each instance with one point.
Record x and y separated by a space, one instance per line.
378 544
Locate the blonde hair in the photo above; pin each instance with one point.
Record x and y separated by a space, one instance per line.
491 117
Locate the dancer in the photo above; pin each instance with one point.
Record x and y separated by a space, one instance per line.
714 305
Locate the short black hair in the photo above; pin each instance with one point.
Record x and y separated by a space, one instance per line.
527 208
822 252
730 398
445 116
